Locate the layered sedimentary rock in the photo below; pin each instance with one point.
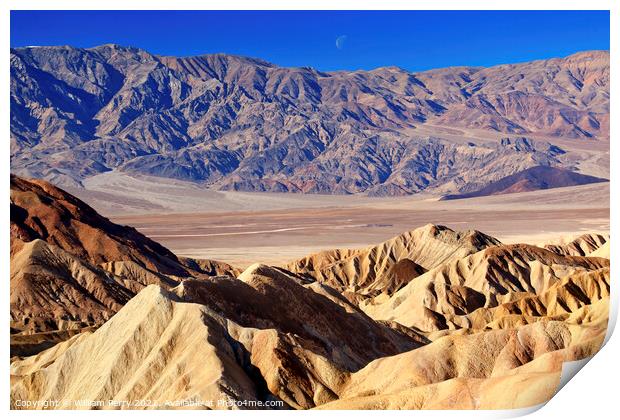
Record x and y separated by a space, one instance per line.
433 318
263 336
386 268
71 268
482 280
582 245
501 369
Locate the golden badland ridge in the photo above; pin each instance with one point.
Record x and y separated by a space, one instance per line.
432 318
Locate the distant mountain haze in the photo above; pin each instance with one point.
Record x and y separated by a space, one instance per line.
238 123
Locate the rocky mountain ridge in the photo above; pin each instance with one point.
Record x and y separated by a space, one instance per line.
238 123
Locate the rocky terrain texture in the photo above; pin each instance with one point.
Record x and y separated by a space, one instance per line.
583 245
386 268
71 268
238 123
433 318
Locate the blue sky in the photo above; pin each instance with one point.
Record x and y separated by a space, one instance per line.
414 40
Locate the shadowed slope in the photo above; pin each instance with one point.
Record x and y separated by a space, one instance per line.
290 350
477 371
41 211
481 280
531 179
71 268
583 245
53 290
264 336
386 268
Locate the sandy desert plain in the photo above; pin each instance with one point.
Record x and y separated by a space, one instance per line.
273 228
242 228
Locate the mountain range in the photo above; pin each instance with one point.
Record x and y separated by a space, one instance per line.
238 123
433 318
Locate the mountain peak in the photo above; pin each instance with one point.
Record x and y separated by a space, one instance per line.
239 123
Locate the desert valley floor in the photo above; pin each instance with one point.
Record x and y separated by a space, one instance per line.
274 228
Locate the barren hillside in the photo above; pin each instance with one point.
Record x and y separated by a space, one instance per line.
238 123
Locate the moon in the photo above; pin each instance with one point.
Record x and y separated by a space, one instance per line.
340 41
